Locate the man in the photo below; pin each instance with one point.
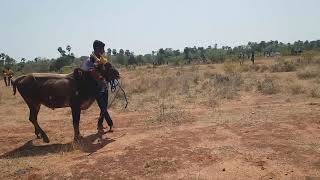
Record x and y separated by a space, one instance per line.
9 76
5 74
252 57
90 64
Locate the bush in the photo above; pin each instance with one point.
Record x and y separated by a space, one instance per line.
309 73
296 89
315 92
283 66
230 67
264 68
225 86
268 86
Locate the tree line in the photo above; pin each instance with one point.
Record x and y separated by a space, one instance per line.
211 54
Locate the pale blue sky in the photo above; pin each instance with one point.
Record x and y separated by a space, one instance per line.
31 28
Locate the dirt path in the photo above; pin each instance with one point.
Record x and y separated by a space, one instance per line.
253 137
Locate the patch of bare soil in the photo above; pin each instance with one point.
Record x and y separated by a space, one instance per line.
251 137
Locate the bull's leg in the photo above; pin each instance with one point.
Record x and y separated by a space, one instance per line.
76 111
33 117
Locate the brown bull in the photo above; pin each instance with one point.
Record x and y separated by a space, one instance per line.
76 90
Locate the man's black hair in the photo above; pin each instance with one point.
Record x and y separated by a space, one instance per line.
98 44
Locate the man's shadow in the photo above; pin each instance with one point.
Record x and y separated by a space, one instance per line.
87 145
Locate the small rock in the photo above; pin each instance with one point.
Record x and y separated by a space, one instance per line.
224 169
263 168
253 113
286 174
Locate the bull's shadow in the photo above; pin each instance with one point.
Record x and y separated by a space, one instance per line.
86 145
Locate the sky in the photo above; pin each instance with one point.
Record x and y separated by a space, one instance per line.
36 28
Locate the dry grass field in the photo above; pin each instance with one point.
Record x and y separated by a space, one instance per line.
216 121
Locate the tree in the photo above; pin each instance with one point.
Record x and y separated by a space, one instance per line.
68 48
127 53
23 60
61 51
8 61
114 52
109 51
202 51
132 60
121 51
139 59
160 56
186 52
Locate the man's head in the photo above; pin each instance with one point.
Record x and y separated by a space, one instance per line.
98 48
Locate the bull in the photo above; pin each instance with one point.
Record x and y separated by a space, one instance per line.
76 90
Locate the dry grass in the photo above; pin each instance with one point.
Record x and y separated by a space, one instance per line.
296 88
283 66
309 72
315 92
179 86
268 86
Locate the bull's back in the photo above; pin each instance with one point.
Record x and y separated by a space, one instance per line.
51 91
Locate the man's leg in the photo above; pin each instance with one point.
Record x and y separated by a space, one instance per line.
5 80
9 81
106 115
102 112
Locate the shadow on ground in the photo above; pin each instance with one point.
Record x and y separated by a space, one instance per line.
87 145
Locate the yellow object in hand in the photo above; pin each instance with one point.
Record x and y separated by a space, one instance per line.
101 60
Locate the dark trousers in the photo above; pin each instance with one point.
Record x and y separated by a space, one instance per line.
5 80
102 100
9 81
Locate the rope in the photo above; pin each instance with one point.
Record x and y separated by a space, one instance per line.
114 84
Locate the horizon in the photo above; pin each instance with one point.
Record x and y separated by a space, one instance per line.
36 29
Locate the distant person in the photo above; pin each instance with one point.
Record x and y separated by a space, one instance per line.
241 58
5 76
9 76
252 57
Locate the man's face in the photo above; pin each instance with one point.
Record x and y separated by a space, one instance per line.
99 51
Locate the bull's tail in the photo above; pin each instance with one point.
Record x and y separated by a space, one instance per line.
14 83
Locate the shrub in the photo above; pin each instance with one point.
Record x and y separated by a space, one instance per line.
283 66
226 86
296 89
268 86
264 68
315 92
308 73
230 67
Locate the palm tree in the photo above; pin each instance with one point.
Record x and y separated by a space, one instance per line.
23 60
114 52
68 48
127 53
109 51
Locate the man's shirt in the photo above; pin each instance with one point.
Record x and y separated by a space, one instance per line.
89 65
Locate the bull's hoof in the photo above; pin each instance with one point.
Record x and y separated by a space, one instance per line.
100 131
77 139
100 127
45 139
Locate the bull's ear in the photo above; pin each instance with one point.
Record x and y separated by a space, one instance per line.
78 74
